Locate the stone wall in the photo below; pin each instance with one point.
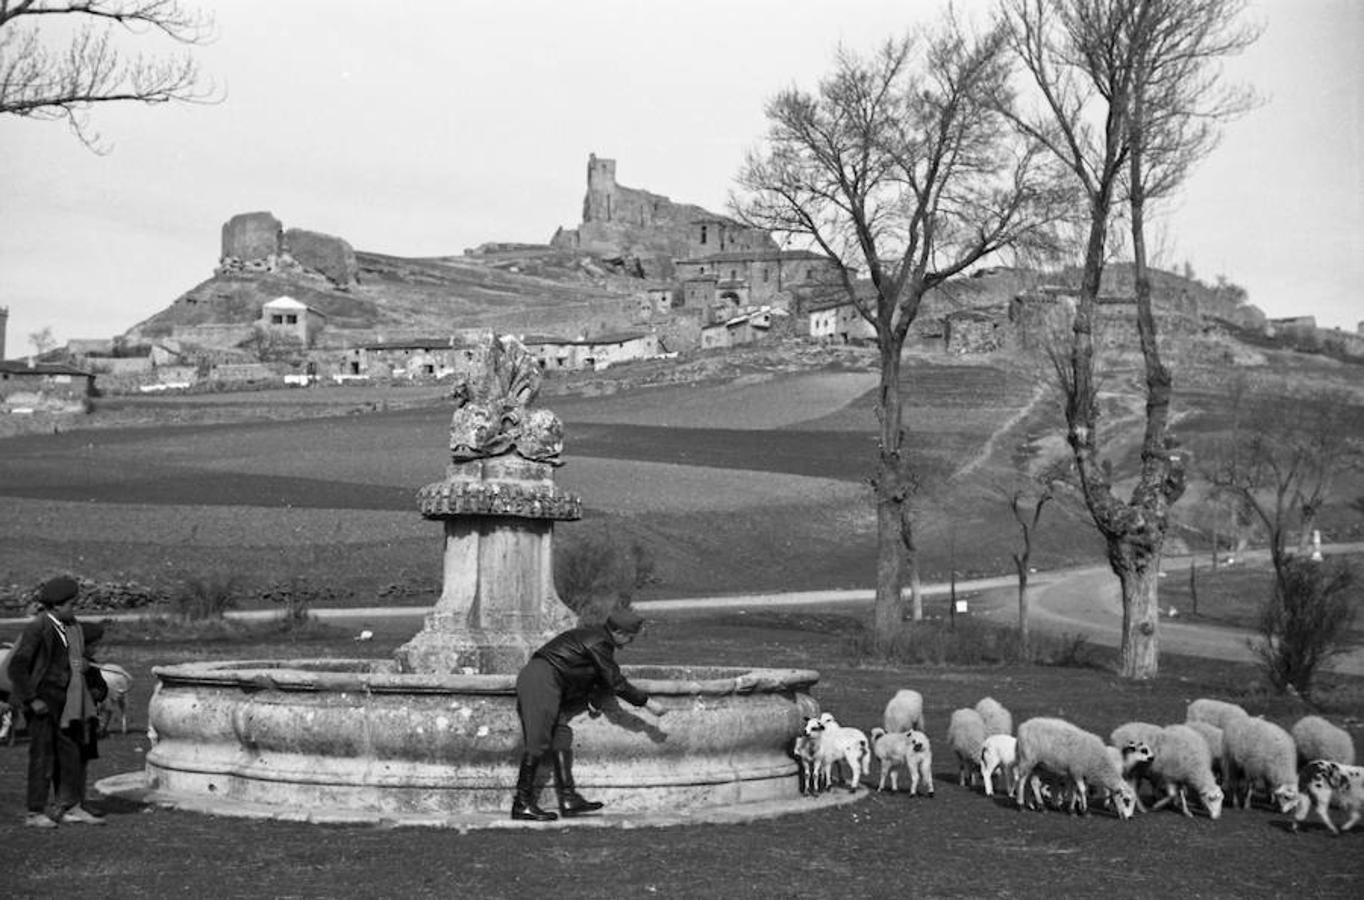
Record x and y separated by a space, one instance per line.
619 220
323 253
252 236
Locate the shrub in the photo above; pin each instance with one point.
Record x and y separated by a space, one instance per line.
207 597
969 642
1305 622
597 574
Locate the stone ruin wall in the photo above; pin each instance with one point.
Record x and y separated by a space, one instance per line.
258 242
626 221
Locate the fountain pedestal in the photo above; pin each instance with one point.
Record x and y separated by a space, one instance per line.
498 602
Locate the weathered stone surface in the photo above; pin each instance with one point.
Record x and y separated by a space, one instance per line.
356 735
324 253
252 236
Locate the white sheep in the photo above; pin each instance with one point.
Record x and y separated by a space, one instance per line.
997 719
840 743
965 735
1079 755
998 752
1325 784
1316 738
904 712
1181 762
1212 736
908 749
1259 752
119 683
1214 712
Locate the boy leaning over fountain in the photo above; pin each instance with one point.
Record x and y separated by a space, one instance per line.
557 684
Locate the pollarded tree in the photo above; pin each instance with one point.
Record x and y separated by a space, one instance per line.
50 71
1129 101
900 164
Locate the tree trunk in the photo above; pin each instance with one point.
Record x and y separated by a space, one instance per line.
1140 614
1024 603
916 597
892 537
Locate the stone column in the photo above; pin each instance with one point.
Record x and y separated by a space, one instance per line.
498 602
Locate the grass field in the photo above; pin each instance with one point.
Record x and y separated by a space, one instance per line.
959 844
732 490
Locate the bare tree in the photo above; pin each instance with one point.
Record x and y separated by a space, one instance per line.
51 72
1280 458
42 340
1129 101
900 164
1027 500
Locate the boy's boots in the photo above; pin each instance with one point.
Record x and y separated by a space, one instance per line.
571 803
524 805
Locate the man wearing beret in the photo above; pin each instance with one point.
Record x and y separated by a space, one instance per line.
47 669
560 681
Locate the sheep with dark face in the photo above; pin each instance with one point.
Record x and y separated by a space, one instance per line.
910 750
1080 756
1325 784
836 744
1131 735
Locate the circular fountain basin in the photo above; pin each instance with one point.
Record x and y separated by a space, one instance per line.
354 739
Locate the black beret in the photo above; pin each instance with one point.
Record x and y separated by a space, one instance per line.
56 591
625 620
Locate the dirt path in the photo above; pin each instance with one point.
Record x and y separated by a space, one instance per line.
1038 392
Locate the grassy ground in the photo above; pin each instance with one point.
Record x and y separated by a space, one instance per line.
959 844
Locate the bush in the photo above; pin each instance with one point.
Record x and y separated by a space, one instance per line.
1306 622
597 574
969 642
207 597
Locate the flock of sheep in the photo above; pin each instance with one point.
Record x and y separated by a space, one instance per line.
1219 751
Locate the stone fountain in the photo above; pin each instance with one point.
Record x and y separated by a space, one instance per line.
431 736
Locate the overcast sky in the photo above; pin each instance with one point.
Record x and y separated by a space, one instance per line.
424 127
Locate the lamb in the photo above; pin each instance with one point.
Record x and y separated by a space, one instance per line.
999 751
1071 751
1214 712
1261 753
1325 784
1182 761
965 735
803 749
1316 738
910 749
997 719
119 682
904 712
840 743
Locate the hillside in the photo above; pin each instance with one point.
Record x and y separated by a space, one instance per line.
529 290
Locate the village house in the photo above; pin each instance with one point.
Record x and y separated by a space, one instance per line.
416 359
29 386
748 327
555 354
290 317
838 321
